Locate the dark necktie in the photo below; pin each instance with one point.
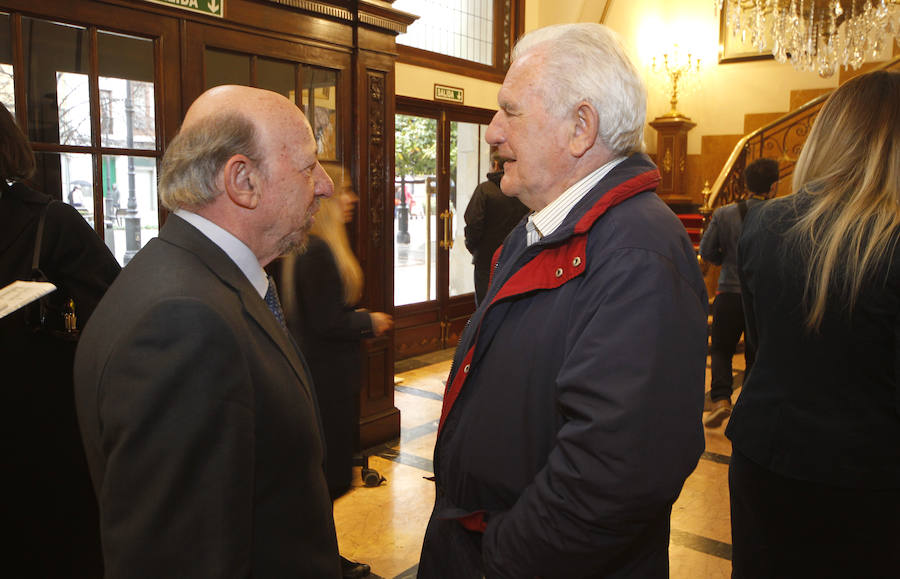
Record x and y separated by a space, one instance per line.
273 302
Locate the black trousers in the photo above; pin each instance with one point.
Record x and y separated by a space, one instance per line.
793 529
727 327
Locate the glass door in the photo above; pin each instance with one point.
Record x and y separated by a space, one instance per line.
440 158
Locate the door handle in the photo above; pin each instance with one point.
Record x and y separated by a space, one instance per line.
447 241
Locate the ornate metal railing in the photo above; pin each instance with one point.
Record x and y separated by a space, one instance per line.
782 139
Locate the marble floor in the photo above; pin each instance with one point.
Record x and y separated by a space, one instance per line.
383 526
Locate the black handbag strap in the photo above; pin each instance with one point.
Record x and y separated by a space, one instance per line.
70 330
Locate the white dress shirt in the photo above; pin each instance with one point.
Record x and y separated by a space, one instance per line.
239 253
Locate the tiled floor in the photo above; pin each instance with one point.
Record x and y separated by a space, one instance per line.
384 525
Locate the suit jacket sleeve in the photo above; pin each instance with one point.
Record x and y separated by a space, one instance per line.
630 398
710 246
321 296
179 438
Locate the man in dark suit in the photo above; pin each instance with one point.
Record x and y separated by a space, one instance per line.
490 216
572 412
198 417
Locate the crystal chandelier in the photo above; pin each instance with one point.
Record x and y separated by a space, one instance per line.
818 35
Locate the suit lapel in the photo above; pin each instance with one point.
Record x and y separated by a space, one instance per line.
179 232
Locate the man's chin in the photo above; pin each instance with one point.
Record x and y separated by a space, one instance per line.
295 243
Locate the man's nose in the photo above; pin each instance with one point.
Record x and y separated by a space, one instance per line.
324 185
493 135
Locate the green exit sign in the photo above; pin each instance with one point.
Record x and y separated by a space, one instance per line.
448 93
208 7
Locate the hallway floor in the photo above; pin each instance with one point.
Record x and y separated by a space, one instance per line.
383 526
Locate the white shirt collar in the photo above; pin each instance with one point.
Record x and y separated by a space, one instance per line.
548 219
239 253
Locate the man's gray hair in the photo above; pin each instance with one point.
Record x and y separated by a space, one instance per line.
586 61
197 154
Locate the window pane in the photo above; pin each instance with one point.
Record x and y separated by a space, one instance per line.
460 28
277 76
130 204
7 90
415 214
469 164
319 100
56 57
68 177
127 103
226 68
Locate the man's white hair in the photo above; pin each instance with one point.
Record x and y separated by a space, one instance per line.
587 61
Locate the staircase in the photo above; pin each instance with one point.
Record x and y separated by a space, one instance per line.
773 135
780 138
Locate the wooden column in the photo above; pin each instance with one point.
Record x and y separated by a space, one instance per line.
374 55
671 156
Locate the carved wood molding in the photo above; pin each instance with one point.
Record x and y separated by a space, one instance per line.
377 178
317 8
373 13
382 15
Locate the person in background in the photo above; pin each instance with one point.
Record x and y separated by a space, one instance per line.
719 246
571 417
490 216
321 287
197 411
50 513
815 468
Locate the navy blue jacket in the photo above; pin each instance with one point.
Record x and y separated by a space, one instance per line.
572 414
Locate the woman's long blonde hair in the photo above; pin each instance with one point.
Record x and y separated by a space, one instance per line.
850 165
329 225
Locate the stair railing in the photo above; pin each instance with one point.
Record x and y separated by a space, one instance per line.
782 139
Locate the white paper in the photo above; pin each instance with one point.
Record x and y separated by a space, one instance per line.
19 294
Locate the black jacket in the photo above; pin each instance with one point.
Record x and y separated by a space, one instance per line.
490 216
821 407
52 512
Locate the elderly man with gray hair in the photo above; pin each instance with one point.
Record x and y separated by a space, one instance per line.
571 417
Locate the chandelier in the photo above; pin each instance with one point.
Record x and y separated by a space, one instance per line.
818 35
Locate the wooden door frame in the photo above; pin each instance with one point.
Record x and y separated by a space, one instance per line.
430 325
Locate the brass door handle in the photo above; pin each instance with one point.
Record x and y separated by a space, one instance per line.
447 241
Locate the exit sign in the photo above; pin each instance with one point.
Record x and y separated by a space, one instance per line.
448 93
208 7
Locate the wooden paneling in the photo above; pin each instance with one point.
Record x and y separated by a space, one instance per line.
356 38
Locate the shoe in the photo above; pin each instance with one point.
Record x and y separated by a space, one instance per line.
721 409
353 569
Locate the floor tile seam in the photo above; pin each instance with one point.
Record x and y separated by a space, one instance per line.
412 390
701 544
716 457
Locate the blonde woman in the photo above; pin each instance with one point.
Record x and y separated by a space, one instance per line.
815 468
319 289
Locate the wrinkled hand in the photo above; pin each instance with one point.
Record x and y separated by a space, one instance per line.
381 322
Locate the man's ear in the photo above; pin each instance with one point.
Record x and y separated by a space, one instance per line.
585 130
241 181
